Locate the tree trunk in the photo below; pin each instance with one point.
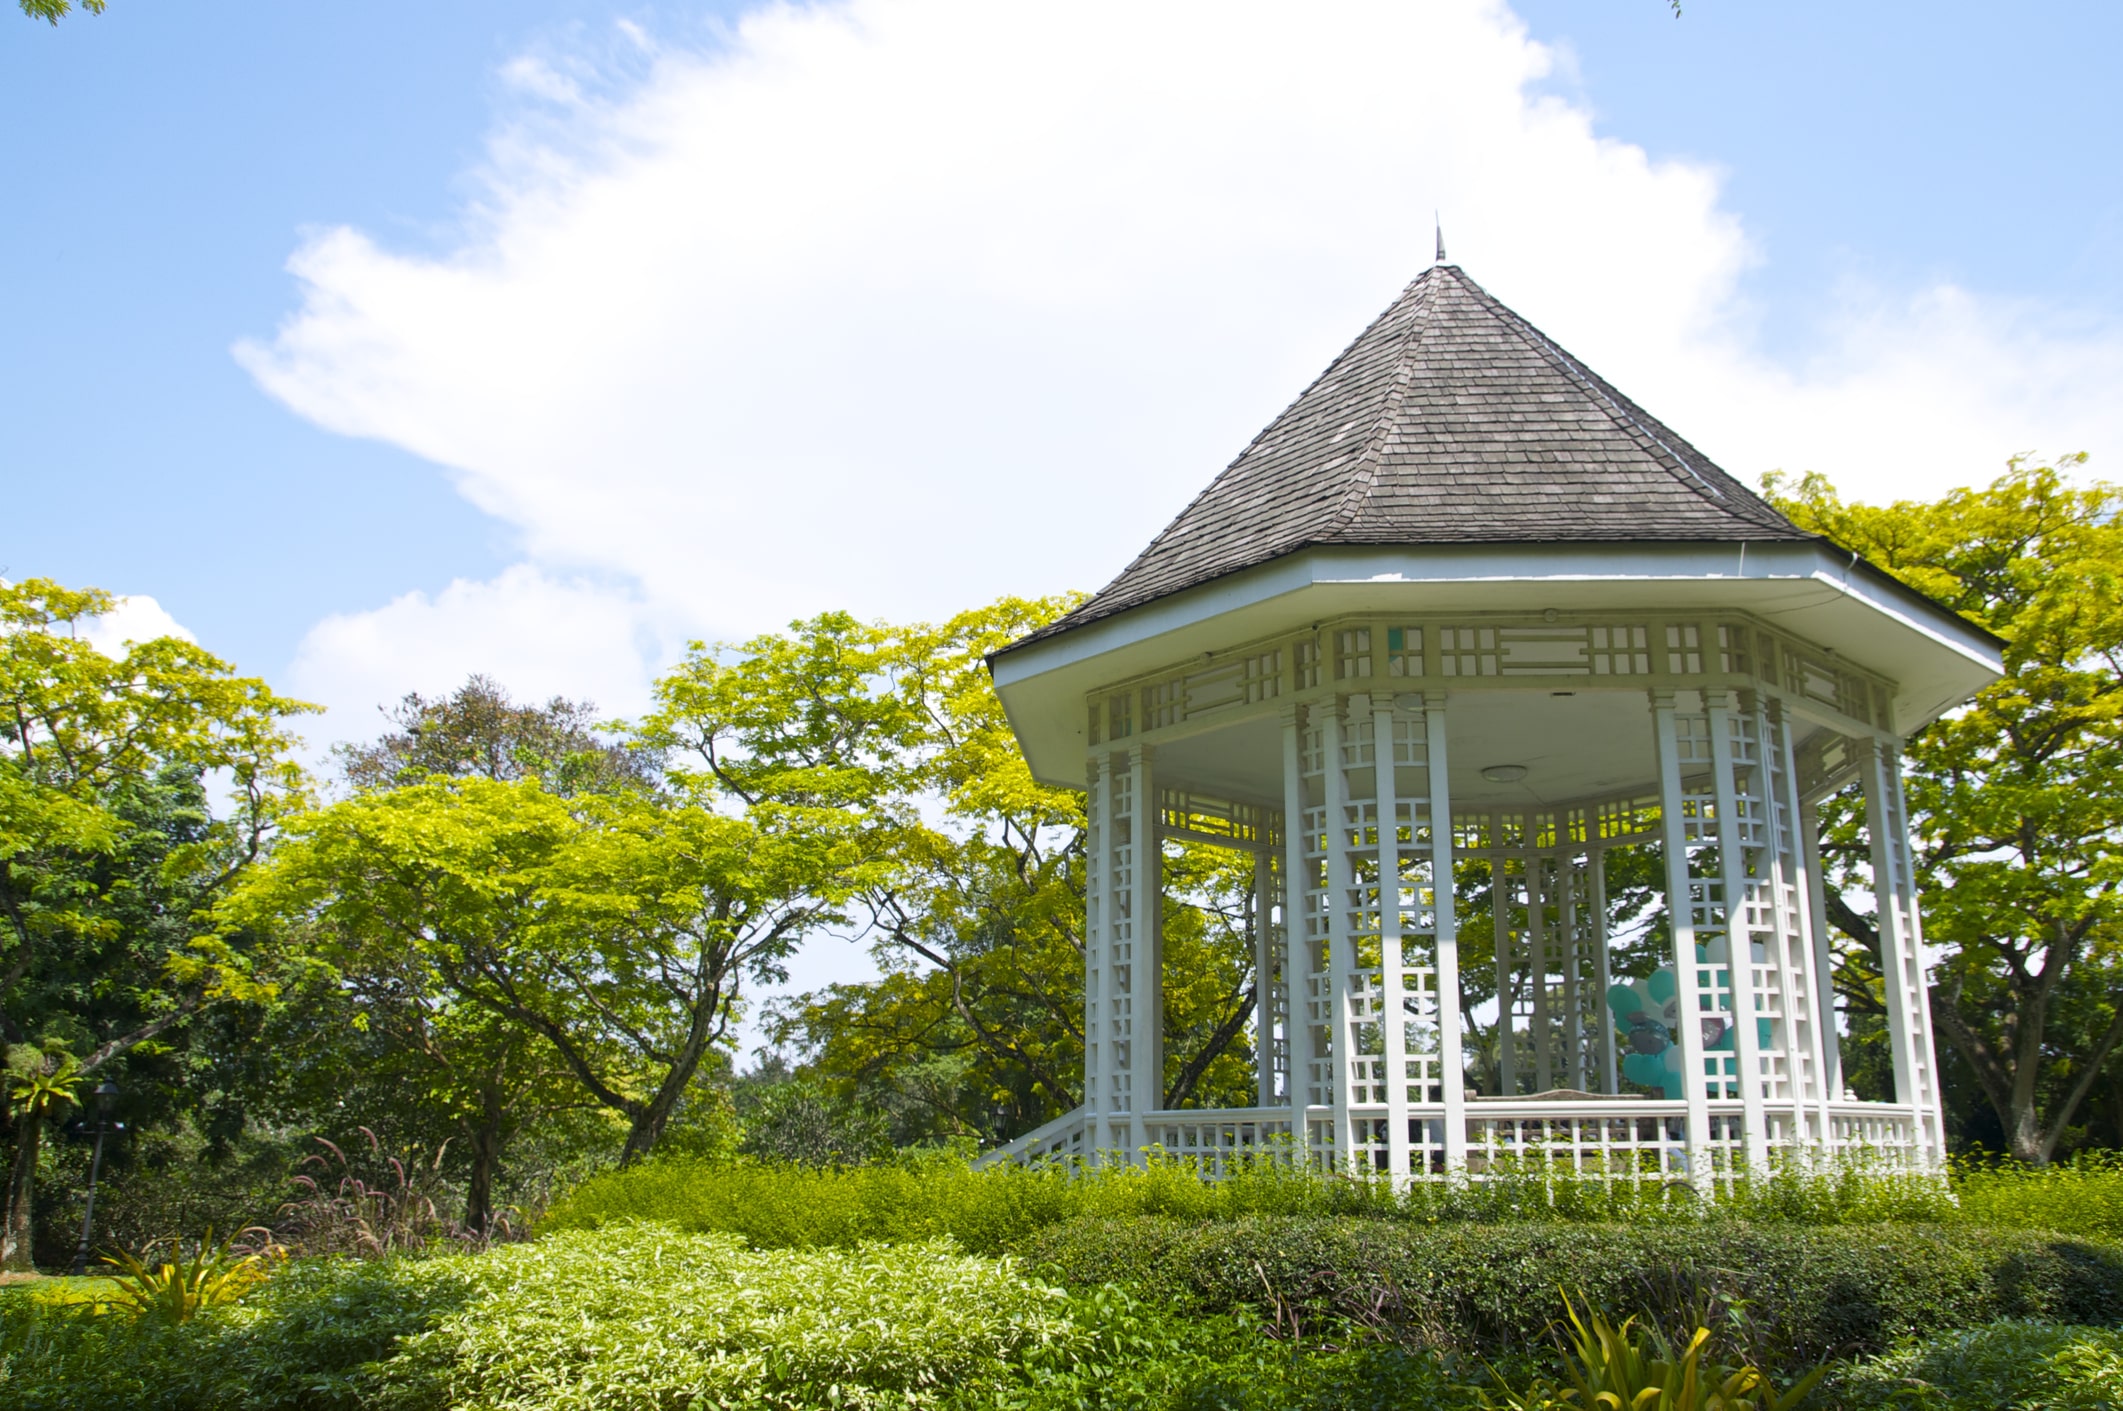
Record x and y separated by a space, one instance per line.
486 1156
1191 1074
21 1184
651 1117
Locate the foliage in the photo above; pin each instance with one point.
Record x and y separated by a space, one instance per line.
2008 1364
306 1340
2082 1196
477 730
978 915
572 1322
923 1196
2015 801
1791 1296
615 928
1136 1353
42 1086
633 1317
1635 1367
52 11
932 1196
109 845
342 1210
177 1288
787 1118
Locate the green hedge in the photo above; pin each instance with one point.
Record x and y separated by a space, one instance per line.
1791 1295
2083 1195
636 1318
2004 1365
988 1211
993 1210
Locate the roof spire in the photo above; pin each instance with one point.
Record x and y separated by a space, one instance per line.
1440 237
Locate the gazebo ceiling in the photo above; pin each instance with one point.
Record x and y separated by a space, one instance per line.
1454 459
1595 744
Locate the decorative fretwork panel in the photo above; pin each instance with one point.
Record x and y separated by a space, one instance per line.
1684 648
1902 943
1404 651
1119 891
1352 654
1721 652
1564 649
1305 663
1708 911
1625 820
1205 818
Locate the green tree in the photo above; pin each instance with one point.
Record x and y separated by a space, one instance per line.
616 929
52 11
977 914
108 848
485 1077
2016 800
479 730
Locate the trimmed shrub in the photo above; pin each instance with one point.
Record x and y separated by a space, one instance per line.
990 1211
2059 1368
627 1319
1137 1354
925 1198
1787 1296
2083 1196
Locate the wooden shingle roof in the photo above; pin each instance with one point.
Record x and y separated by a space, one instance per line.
1450 420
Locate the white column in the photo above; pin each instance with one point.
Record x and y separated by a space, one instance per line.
1098 953
1540 1027
1924 1041
1146 908
1297 950
1570 876
1118 997
1452 1065
1265 963
1805 978
1680 910
1824 975
1611 1072
1393 1017
1341 950
1901 949
1734 858
1507 1050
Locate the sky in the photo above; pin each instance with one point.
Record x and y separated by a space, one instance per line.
378 345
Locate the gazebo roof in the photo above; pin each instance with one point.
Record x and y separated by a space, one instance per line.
1454 461
1449 421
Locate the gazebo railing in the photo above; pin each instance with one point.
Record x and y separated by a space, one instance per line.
1622 1138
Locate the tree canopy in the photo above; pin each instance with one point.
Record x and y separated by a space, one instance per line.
110 846
2015 800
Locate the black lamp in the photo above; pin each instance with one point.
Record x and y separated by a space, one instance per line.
106 1093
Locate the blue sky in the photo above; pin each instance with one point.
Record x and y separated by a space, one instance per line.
167 161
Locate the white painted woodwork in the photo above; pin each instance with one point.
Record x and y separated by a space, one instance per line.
1346 756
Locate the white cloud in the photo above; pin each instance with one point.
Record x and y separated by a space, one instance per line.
137 618
538 635
900 304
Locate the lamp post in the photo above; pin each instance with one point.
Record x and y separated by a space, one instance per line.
106 1093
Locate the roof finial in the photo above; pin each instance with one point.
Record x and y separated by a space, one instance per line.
1440 237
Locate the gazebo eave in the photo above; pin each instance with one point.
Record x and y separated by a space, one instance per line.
1935 658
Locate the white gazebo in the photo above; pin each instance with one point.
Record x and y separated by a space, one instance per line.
1466 611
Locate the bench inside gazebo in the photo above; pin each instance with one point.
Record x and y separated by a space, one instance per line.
1466 620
